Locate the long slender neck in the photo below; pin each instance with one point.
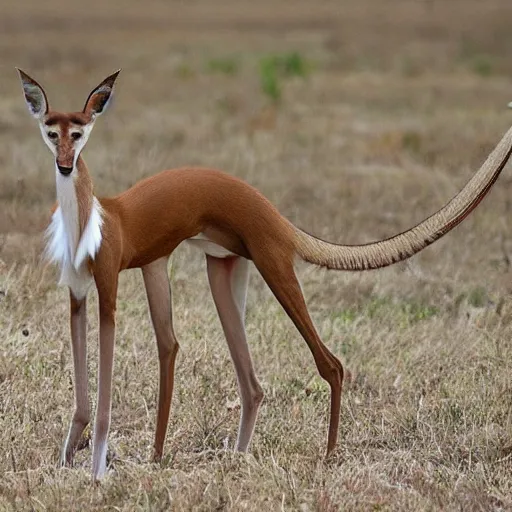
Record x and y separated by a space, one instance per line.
75 198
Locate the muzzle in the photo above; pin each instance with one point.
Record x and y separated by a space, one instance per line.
65 171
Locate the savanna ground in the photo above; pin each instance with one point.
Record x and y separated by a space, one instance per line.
357 119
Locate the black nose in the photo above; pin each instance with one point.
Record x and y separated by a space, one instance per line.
66 171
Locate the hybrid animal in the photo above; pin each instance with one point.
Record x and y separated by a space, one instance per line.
92 239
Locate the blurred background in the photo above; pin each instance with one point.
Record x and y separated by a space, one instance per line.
357 119
367 113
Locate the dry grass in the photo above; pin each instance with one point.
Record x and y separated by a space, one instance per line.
402 103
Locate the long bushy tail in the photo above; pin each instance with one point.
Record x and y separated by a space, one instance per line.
404 245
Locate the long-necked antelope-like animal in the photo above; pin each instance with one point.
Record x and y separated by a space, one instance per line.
93 239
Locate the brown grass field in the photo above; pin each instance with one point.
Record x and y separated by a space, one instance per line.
386 109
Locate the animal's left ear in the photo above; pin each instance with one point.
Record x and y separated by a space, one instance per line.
34 95
99 98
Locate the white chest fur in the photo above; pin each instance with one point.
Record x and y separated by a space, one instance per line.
66 246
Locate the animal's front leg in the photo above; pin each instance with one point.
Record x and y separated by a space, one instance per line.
107 303
79 346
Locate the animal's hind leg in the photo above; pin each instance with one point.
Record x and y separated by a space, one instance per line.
158 291
228 281
280 277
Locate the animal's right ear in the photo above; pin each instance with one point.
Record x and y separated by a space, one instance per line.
34 96
100 96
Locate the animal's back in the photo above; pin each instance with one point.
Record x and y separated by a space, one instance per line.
181 203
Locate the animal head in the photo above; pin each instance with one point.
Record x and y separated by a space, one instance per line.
66 133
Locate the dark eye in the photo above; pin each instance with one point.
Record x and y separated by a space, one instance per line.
53 135
76 135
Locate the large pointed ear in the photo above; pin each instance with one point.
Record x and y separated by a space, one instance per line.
99 98
34 95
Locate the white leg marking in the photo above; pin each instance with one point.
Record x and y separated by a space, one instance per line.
99 466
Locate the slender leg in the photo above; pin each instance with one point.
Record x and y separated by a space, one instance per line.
228 281
107 303
281 278
158 291
81 415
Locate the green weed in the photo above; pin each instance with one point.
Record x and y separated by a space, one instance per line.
269 80
275 68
